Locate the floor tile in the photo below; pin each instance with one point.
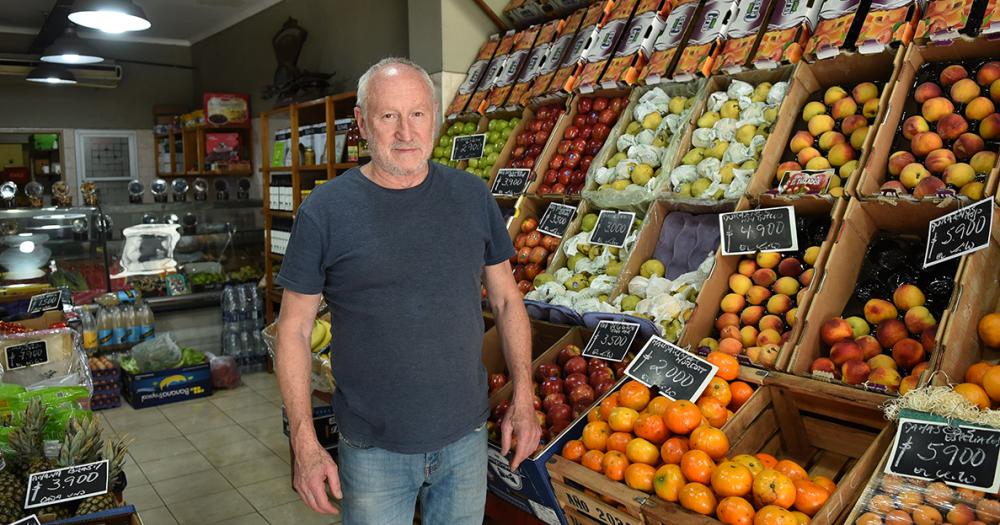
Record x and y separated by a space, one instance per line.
298 513
234 453
272 393
255 470
106 429
204 417
143 497
250 413
125 417
270 493
134 474
276 441
284 454
191 486
157 516
249 519
218 436
174 467
147 433
211 509
260 380
244 398
262 427
160 449
186 408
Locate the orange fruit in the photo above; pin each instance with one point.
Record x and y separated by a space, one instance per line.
732 479
774 515
809 497
749 462
735 511
791 469
696 497
668 481
825 482
634 395
974 394
988 510
697 466
991 383
593 415
682 417
713 411
573 450
710 440
651 427
639 476
989 329
719 389
801 518
766 459
622 419
594 460
614 465
741 393
658 405
618 441
595 435
974 374
607 405
729 367
641 451
673 449
771 487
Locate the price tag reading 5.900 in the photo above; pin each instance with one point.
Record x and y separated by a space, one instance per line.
961 456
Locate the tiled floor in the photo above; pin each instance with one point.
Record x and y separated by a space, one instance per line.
220 460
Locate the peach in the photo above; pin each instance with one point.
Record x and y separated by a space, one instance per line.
709 343
790 267
730 346
746 267
958 175
890 331
835 330
907 296
920 368
844 351
964 90
727 319
913 125
893 186
791 316
926 142
833 94
979 108
841 154
768 259
987 73
898 160
800 141
857 139
811 110
823 365
928 187
908 383
847 170
855 372
858 325
844 108
820 124
935 108
870 346
952 74
748 336
810 255
769 355
881 360
864 92
950 126
771 322
989 127
973 190
818 163
912 173
926 91
831 139
853 122
995 91
908 353
779 304
753 353
967 145
751 315
764 277
806 154
878 310
732 303
758 295
739 283
983 161
787 166
768 337
887 377
785 286
939 160
918 319
730 332
870 109
960 513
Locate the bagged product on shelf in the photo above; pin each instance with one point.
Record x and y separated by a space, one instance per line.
149 248
44 357
476 73
562 80
533 66
706 40
279 149
743 35
513 67
227 109
679 25
603 46
945 20
839 24
888 22
493 71
561 47
222 148
636 45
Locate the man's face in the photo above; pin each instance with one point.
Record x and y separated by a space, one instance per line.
398 121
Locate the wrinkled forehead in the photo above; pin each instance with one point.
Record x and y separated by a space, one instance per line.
398 87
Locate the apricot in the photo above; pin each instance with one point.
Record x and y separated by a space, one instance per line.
926 91
801 140
935 108
958 175
928 187
979 108
967 145
926 142
899 160
938 160
913 125
952 74
911 175
950 126
864 92
964 90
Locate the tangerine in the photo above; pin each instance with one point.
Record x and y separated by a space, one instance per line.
682 417
801 518
771 487
774 515
651 427
595 435
825 482
594 460
697 466
641 451
732 479
634 395
749 462
729 367
696 497
614 465
710 440
622 419
741 393
974 374
713 411
668 482
618 441
639 476
658 405
593 415
766 459
991 382
809 497
673 449
735 511
573 450
719 389
974 394
607 405
791 469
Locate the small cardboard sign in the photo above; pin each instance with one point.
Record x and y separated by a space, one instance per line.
466 147
612 228
763 229
67 484
26 354
959 455
960 232
812 182
44 302
676 373
611 340
511 181
556 219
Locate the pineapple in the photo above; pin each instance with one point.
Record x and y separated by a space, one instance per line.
9 512
114 452
11 495
27 443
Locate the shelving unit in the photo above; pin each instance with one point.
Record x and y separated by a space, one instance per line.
298 175
188 144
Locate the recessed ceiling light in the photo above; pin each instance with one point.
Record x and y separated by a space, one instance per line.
47 73
109 16
70 49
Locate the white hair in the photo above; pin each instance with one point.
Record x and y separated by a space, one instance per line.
362 93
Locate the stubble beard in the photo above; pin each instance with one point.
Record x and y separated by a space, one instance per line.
385 164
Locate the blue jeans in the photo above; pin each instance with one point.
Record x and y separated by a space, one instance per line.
382 487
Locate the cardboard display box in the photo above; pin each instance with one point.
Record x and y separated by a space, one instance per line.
477 71
513 66
901 105
603 47
167 386
787 33
991 20
743 35
636 46
564 78
839 24
533 66
888 23
527 115
706 40
543 336
562 48
493 71
944 21
680 23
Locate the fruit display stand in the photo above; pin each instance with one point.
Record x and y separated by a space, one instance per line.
738 292
942 142
535 250
106 376
819 83
543 337
527 141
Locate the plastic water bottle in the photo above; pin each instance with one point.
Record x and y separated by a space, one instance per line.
120 337
144 320
89 331
105 330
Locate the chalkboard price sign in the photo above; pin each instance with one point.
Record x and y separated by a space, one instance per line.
611 340
44 302
612 228
961 456
67 484
26 354
960 232
466 147
556 219
30 520
511 181
676 373
763 229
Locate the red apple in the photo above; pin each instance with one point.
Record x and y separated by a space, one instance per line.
575 365
553 399
569 350
559 411
499 410
547 371
596 364
600 103
584 105
496 381
582 394
603 388
552 386
600 375
573 380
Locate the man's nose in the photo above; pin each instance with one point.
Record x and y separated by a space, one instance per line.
404 131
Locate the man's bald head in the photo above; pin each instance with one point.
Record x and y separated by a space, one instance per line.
390 68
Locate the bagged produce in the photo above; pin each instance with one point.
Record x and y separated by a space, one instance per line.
225 371
161 353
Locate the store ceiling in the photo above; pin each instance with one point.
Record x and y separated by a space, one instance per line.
175 22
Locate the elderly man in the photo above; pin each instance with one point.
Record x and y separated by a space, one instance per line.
399 248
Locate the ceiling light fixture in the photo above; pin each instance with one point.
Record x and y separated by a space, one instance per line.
70 49
109 16
47 73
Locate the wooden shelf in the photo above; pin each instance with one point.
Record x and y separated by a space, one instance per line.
276 257
313 167
344 165
280 213
278 169
241 173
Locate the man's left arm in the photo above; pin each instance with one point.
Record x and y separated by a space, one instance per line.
515 334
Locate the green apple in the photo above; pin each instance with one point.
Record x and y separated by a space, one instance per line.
588 222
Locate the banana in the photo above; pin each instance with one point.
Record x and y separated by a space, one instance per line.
318 332
326 341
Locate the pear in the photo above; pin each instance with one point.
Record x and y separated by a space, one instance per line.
583 248
693 157
684 190
708 119
717 150
699 186
573 259
633 128
612 250
616 158
652 267
726 173
730 109
588 222
688 103
629 302
652 121
542 278
620 184
749 165
641 174
677 105
576 283
745 133
603 297
770 115
659 141
614 268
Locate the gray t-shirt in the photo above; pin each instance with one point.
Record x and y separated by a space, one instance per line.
401 272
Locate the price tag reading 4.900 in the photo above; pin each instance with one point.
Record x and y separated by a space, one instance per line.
677 374
763 229
612 228
67 484
961 456
959 232
611 340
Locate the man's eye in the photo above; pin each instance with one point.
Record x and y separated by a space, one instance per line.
388 116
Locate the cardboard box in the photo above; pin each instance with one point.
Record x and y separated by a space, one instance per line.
543 336
477 71
991 19
636 45
743 35
705 42
787 33
527 115
809 83
494 70
533 66
680 23
562 47
512 68
150 389
944 21
604 46
565 77
920 63
842 271
839 24
889 22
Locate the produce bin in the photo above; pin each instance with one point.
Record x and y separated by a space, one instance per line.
543 337
126 515
150 389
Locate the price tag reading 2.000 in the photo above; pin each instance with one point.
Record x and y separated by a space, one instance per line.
676 373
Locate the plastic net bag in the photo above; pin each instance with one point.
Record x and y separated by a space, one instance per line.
161 353
225 371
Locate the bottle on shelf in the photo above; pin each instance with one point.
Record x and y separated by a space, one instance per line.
120 336
132 325
89 329
144 319
105 330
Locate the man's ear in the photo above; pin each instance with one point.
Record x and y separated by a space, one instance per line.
362 123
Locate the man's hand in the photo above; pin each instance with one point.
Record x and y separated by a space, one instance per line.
521 423
315 470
